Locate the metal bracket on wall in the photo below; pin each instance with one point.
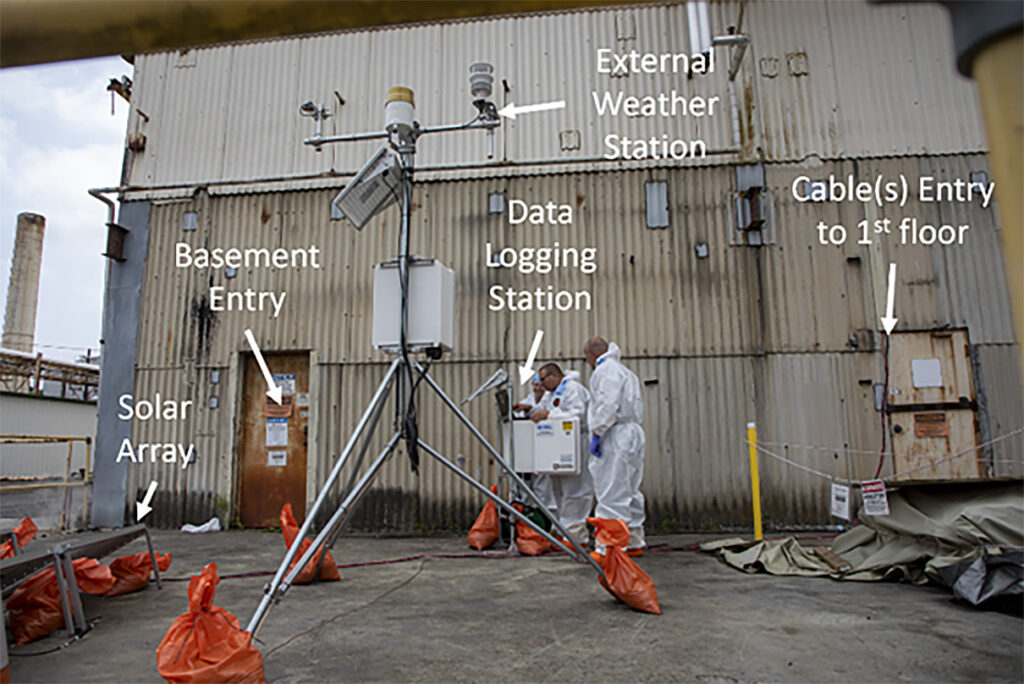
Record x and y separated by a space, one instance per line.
752 207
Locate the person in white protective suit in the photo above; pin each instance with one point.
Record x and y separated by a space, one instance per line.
529 403
617 445
569 497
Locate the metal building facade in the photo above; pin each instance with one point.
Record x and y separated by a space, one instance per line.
783 334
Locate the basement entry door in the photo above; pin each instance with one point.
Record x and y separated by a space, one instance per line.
274 441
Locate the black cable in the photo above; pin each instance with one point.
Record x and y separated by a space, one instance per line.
78 637
885 404
347 612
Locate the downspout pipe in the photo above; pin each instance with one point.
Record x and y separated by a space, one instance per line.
740 42
99 193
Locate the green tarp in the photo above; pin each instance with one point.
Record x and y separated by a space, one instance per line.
928 527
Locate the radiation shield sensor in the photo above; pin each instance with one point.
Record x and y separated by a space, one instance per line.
377 186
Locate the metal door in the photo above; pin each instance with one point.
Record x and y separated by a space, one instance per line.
274 441
932 406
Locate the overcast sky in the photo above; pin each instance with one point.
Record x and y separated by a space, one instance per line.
58 139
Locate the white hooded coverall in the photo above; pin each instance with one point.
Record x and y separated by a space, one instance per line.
569 497
615 414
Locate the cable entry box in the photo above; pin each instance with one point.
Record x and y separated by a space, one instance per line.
431 306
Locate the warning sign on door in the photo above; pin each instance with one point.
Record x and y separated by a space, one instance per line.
277 432
277 458
931 425
875 500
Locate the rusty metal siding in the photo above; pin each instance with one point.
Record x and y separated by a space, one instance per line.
227 115
692 306
897 88
957 285
1004 396
745 334
853 80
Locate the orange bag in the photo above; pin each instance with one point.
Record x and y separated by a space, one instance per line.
131 573
206 644
290 529
626 581
24 533
528 541
35 606
484 532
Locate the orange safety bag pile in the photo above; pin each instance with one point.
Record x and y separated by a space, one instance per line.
206 644
528 541
485 532
626 581
131 573
35 606
290 530
24 533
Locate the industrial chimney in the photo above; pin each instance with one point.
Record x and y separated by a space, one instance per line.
23 291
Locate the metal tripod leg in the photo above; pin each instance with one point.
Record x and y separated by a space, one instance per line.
271 589
579 555
274 593
500 502
350 501
332 536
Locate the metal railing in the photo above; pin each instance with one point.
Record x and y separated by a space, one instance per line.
68 484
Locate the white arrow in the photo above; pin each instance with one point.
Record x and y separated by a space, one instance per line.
510 110
888 322
142 508
526 371
274 392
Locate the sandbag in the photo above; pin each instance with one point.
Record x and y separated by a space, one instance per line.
35 606
529 542
206 644
626 581
131 573
24 532
485 530
290 530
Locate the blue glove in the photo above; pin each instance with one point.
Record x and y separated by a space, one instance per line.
595 445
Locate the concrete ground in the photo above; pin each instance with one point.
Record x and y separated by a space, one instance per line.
544 619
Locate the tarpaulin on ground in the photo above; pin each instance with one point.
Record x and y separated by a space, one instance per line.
929 527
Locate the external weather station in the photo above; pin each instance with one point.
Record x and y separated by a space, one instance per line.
413 312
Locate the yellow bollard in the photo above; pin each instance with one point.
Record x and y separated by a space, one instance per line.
755 481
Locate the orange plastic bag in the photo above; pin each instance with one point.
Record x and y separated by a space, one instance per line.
290 529
24 533
484 532
528 541
35 606
206 644
626 581
131 573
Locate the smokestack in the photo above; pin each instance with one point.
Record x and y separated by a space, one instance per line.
23 291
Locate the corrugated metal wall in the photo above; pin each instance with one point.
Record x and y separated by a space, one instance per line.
783 335
810 87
